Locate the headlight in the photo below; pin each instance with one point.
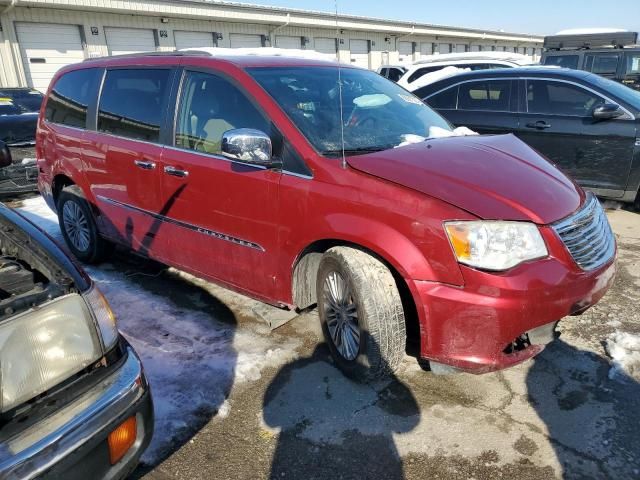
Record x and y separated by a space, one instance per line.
494 245
41 348
104 316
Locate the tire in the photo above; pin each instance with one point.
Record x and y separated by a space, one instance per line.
80 231
372 295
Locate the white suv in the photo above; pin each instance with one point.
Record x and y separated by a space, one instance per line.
468 60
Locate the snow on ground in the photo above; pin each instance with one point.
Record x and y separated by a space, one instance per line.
624 349
192 356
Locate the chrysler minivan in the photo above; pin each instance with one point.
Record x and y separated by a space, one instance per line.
300 182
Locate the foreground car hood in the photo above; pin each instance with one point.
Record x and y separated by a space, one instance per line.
494 177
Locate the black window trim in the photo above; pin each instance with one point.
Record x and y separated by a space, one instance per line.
167 99
579 85
172 121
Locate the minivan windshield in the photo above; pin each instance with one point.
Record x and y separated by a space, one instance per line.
377 114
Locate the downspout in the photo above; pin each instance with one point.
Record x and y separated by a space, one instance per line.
413 30
272 37
10 7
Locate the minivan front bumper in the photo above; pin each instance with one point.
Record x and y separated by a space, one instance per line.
72 442
473 327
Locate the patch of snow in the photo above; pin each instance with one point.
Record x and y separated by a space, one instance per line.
449 57
437 132
264 52
624 350
192 358
588 31
431 77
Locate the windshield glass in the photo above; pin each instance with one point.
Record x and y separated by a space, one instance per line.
624 93
377 113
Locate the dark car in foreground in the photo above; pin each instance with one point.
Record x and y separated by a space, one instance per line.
19 109
74 401
587 125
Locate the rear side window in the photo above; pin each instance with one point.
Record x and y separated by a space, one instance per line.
395 74
491 95
445 100
70 96
132 103
565 61
210 106
559 98
602 64
632 64
423 71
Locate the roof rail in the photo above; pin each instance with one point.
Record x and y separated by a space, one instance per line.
181 53
590 40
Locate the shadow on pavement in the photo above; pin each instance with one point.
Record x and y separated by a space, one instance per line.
332 427
593 421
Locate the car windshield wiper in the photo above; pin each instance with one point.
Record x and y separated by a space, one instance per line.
356 151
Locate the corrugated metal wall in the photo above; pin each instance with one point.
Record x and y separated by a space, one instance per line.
383 46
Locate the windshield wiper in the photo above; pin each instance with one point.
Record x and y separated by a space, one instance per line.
355 151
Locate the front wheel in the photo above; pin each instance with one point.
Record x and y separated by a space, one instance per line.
361 313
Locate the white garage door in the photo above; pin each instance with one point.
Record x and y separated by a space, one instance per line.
444 48
284 41
193 39
461 48
129 40
405 49
241 40
47 47
426 49
359 52
325 45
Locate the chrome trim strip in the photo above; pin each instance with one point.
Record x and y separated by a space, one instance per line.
214 156
299 175
188 226
535 78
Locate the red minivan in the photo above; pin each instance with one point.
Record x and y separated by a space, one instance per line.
299 183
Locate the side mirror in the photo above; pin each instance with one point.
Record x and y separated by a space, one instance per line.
607 111
5 155
248 146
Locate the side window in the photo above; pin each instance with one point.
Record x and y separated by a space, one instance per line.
395 74
132 103
488 95
559 98
423 71
70 96
565 61
632 64
602 64
445 100
210 106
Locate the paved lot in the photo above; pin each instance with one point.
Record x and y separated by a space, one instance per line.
237 402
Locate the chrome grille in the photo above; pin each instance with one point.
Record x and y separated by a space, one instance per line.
587 235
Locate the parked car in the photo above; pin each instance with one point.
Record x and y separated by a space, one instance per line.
586 124
468 60
393 72
19 109
239 169
615 55
75 403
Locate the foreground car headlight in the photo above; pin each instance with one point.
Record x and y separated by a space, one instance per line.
495 245
104 316
43 347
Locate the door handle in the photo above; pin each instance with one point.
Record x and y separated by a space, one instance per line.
176 172
540 125
143 164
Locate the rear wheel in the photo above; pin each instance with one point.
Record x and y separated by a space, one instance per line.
79 228
361 313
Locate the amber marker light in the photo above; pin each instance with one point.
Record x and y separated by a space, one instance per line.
459 237
121 439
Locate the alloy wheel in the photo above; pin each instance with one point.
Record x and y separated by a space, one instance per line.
341 315
76 226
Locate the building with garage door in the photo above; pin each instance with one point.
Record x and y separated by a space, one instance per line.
37 37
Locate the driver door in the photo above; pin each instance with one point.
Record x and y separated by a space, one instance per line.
558 122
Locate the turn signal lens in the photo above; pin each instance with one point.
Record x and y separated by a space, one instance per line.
121 439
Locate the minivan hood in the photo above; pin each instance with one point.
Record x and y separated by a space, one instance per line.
493 177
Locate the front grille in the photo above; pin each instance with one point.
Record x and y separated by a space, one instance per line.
587 235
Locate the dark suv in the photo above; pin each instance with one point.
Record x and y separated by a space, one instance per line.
615 56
